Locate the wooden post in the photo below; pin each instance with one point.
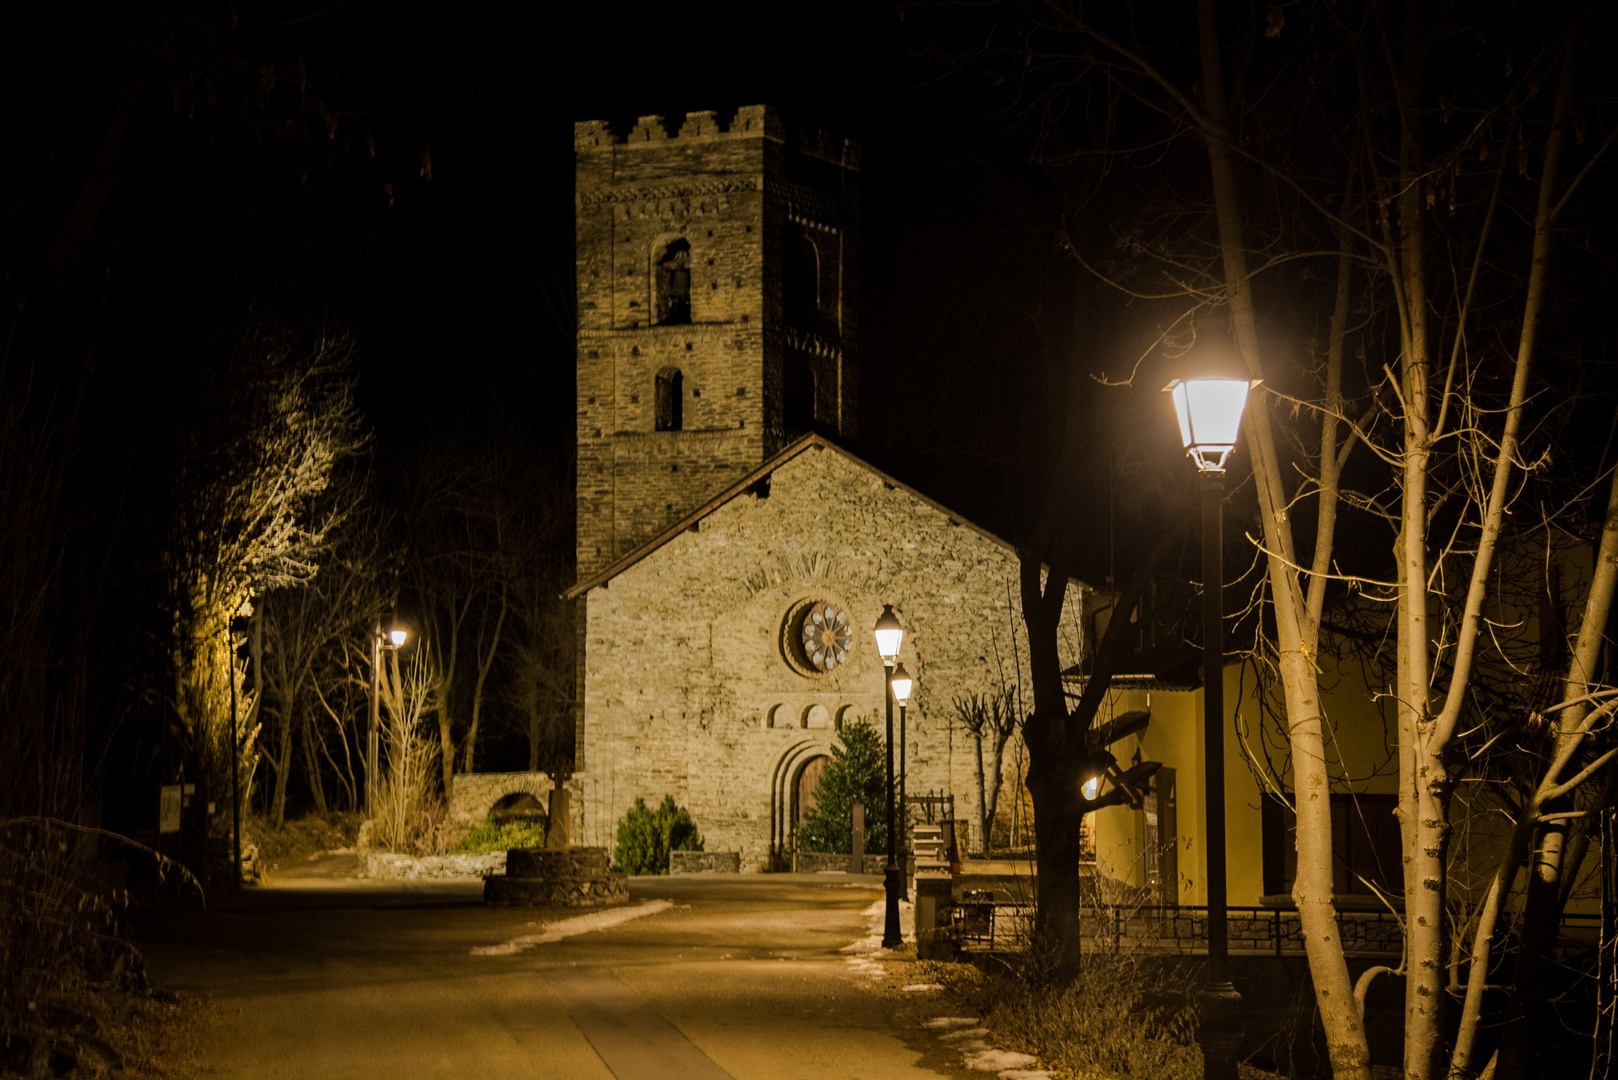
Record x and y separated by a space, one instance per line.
856 861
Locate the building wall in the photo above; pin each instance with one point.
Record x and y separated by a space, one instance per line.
744 195
687 690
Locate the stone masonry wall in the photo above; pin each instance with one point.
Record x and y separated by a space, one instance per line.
733 192
687 690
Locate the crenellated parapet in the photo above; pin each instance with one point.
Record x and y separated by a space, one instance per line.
749 122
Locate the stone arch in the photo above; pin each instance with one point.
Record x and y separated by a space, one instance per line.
671 282
784 772
816 717
844 714
475 794
519 805
800 280
776 717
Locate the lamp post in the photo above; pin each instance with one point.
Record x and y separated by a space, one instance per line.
901 683
395 637
889 633
1210 415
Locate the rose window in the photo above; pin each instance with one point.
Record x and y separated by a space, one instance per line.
825 634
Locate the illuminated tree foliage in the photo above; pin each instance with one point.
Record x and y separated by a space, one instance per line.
857 773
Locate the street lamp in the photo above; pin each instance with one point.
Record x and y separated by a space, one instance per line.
1210 415
392 641
889 633
901 693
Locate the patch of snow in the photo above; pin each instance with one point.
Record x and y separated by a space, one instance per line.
918 988
566 928
991 1060
875 917
945 1022
975 1033
1024 1074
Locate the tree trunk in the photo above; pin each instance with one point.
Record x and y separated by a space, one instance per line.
1340 1016
1058 827
985 818
487 652
311 760
533 741
992 797
1544 892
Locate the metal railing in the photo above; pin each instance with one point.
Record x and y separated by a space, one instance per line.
984 924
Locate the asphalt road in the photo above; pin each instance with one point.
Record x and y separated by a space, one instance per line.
738 977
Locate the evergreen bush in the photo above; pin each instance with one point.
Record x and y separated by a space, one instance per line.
645 837
857 774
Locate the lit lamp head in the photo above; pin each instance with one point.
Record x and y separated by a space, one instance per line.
1092 768
1210 416
901 686
394 633
889 633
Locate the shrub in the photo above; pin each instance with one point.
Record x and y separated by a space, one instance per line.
857 774
645 837
489 835
1124 1016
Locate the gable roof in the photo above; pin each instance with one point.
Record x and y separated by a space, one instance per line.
812 441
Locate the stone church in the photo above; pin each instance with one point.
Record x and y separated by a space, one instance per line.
735 547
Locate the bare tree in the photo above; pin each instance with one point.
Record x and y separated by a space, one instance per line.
1435 181
991 719
253 522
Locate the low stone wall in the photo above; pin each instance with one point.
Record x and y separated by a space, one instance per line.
706 862
820 862
386 866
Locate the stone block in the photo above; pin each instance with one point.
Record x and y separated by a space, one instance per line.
705 862
386 866
820 862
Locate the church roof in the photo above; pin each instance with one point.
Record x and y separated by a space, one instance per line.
813 441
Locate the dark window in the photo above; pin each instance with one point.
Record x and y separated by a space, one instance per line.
1366 846
800 282
799 413
1160 841
674 284
670 396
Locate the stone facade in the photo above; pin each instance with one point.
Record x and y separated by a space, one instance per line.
692 685
763 227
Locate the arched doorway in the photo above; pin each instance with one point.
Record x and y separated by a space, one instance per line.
806 787
517 806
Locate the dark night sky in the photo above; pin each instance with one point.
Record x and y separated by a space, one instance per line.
473 266
466 293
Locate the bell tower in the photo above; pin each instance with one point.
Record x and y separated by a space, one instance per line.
716 269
